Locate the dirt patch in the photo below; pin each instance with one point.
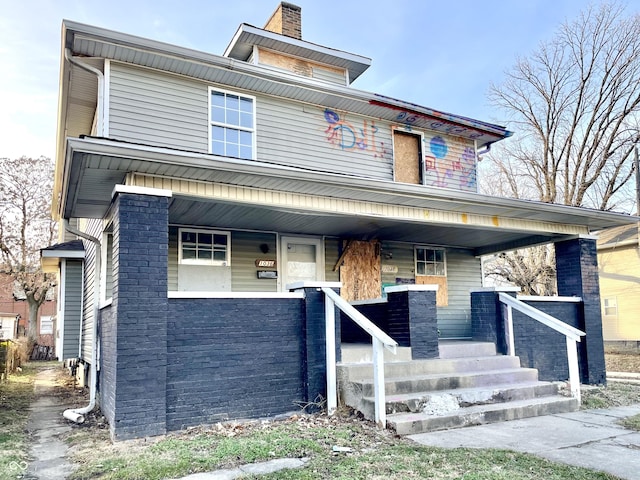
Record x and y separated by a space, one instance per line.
622 362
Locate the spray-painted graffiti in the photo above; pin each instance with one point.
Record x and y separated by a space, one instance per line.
441 171
346 136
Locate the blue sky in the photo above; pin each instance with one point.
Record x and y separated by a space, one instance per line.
442 55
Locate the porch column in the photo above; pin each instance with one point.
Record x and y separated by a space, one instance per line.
315 361
413 308
487 324
577 275
140 305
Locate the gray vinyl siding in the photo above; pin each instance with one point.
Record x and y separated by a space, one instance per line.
72 308
464 273
331 254
298 135
162 110
91 283
327 75
148 107
245 250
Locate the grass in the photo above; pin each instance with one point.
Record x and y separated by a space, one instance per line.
613 395
15 397
375 454
632 423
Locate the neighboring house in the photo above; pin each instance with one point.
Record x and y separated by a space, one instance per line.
619 268
203 187
14 313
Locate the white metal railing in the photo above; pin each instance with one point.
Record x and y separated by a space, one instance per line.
379 340
572 335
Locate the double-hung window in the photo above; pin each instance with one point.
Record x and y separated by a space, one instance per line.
232 124
430 261
204 247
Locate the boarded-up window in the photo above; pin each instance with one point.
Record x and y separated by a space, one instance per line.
431 269
360 270
407 155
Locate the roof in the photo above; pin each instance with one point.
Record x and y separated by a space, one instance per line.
50 256
618 236
241 48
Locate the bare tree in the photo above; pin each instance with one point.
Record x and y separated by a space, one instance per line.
25 227
574 104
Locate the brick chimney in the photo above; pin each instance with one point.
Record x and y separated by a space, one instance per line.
286 20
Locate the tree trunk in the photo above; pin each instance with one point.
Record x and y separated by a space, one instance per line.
32 325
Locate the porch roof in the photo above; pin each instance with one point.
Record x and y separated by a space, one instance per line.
244 194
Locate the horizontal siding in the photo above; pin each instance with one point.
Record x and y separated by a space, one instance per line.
72 308
150 107
91 284
329 75
619 280
332 252
245 250
301 135
162 110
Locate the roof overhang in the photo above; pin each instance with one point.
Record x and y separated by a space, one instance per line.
51 256
369 208
241 48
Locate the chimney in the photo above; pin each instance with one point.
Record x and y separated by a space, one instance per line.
286 20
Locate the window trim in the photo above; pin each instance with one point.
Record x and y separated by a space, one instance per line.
605 301
427 247
211 262
49 319
211 122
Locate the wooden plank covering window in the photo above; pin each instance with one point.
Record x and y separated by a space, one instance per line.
407 158
442 297
360 271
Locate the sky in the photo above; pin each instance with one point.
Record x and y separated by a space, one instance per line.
438 54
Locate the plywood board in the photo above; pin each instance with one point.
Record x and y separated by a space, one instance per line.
442 297
360 271
406 154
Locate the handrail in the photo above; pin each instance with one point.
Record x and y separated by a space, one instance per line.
362 321
572 335
379 340
542 317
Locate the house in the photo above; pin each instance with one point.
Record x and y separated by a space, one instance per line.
221 198
14 313
619 267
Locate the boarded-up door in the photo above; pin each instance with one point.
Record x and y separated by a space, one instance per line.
360 270
407 158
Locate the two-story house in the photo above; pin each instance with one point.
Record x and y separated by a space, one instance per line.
206 187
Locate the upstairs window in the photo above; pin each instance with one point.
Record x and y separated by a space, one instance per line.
204 247
611 307
232 124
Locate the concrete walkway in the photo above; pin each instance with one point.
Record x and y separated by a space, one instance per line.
590 438
45 424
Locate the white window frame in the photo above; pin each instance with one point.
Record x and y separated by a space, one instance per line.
49 320
197 261
231 126
427 247
606 305
107 237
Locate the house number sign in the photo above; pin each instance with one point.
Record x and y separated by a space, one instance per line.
266 263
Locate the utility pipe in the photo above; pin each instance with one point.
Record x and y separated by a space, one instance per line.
77 414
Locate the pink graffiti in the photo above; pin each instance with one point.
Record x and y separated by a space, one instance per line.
459 173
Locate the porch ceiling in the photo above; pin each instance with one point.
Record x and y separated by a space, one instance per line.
253 195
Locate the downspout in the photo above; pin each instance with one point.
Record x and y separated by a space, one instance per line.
484 151
100 104
77 414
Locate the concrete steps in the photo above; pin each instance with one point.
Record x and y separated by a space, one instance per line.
468 385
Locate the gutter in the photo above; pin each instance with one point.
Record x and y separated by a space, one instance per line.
100 103
77 414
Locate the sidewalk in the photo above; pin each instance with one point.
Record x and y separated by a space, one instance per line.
45 424
589 438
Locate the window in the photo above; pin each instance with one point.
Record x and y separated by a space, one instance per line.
611 307
430 261
46 325
204 247
106 268
232 127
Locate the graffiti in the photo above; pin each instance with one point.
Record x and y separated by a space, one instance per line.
346 136
458 173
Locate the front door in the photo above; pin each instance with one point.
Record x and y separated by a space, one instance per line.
302 260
